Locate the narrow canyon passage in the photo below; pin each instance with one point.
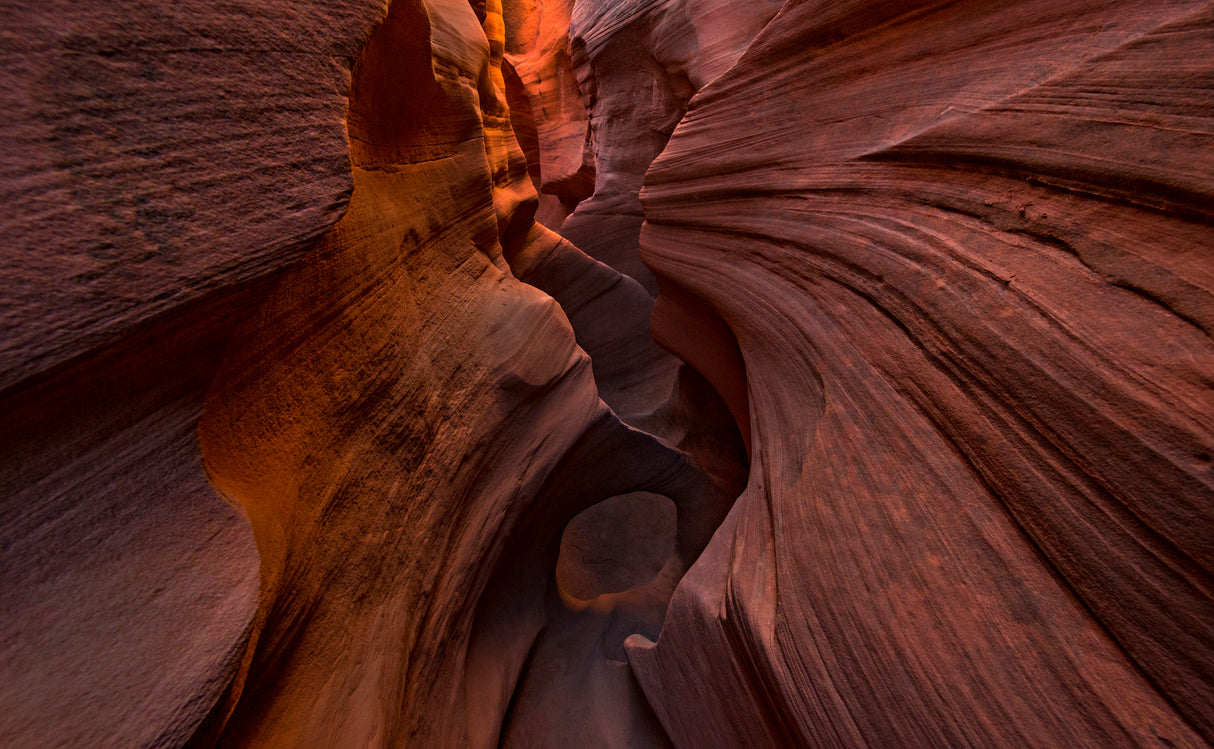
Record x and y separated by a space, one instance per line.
477 365
607 373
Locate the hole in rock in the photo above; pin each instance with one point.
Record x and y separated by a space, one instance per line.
617 544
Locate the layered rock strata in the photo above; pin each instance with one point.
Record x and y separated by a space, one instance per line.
965 254
160 164
315 433
637 64
410 428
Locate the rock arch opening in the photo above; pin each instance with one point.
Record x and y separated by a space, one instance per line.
615 545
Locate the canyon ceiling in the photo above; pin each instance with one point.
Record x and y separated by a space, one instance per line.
607 373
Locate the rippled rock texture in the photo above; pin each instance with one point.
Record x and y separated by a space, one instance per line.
160 164
332 413
965 252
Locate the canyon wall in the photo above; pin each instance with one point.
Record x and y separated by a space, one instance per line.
637 373
966 256
162 163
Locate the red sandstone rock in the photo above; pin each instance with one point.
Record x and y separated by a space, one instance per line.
945 264
545 94
965 253
637 65
157 153
353 390
576 687
160 162
409 428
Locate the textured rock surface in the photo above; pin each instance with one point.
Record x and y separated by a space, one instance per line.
577 687
462 405
160 162
638 62
127 585
943 271
546 105
965 253
155 153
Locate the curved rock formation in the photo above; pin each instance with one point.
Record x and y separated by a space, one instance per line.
965 255
938 281
160 164
409 427
638 63
546 107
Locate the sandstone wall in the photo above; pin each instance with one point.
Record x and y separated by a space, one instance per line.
637 373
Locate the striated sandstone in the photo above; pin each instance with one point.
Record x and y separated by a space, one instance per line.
160 164
159 153
638 62
546 107
964 251
406 428
316 432
409 429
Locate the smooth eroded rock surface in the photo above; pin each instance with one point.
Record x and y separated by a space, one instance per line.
631 373
965 254
160 163
409 428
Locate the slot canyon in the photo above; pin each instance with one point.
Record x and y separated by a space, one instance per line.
607 373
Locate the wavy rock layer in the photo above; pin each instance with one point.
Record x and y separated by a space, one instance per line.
965 254
942 271
161 164
409 429
638 62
